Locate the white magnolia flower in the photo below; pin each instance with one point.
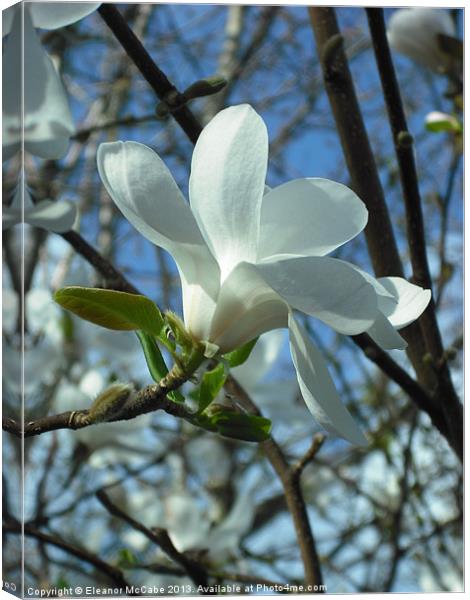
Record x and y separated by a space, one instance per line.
413 32
53 216
248 258
47 123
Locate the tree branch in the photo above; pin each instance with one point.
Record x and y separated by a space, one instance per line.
158 81
114 278
160 537
366 182
449 401
149 399
290 480
114 574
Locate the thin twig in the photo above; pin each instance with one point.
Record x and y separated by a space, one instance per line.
114 278
449 402
158 81
317 442
160 537
149 399
113 573
366 182
293 493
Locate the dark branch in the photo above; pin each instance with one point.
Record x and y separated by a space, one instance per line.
449 402
379 234
161 538
114 279
113 573
149 399
290 479
158 81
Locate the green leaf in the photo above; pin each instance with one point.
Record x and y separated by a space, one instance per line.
110 309
155 362
126 558
211 384
242 427
240 355
62 583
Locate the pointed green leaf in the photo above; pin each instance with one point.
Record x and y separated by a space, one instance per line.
240 355
242 427
211 384
112 310
155 362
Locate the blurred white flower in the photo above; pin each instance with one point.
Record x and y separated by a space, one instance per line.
209 460
247 258
188 522
48 123
413 32
52 216
42 356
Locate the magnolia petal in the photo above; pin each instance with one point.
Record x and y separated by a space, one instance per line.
145 192
52 15
227 184
385 335
309 217
318 389
329 289
410 301
53 216
246 308
48 123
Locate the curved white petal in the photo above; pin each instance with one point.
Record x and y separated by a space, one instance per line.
318 389
226 186
144 190
52 15
246 307
53 216
410 301
48 123
309 217
329 289
385 335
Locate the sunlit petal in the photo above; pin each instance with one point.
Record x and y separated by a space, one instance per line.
246 308
145 192
318 389
326 288
385 335
410 301
309 217
226 187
